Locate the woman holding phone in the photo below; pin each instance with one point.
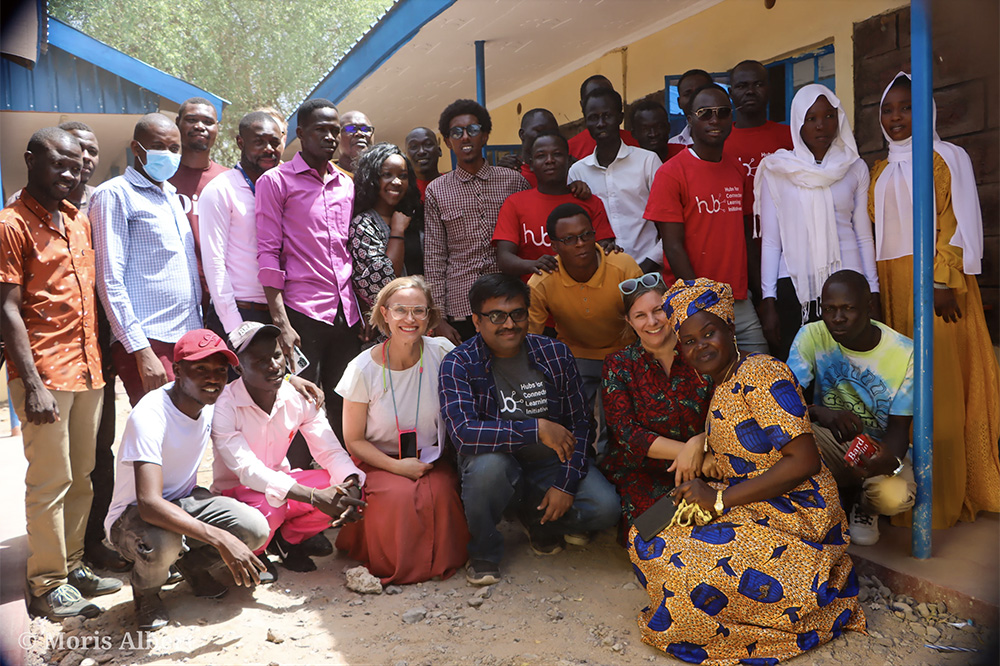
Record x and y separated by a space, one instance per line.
414 526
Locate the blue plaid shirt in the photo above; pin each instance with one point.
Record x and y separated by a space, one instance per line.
472 415
146 265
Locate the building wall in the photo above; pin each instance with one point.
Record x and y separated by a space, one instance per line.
966 68
714 40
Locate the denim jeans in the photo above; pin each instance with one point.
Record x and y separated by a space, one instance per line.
153 549
495 482
590 377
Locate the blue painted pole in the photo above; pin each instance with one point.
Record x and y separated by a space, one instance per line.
481 71
923 272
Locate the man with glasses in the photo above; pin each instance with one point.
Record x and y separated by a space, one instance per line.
356 136
460 215
513 404
581 296
697 205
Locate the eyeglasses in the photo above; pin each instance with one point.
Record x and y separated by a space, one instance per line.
472 130
649 280
356 129
497 317
720 112
585 237
398 312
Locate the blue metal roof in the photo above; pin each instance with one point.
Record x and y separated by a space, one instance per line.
79 74
386 36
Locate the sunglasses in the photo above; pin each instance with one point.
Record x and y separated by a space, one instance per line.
472 130
585 237
649 280
498 317
720 112
356 129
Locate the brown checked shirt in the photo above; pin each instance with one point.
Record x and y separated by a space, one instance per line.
56 273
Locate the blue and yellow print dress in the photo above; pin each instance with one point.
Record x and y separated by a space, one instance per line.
765 581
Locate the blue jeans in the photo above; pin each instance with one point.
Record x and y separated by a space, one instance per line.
494 482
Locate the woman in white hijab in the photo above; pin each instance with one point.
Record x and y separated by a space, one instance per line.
966 384
813 207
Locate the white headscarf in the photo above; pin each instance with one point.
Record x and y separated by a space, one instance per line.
800 189
894 199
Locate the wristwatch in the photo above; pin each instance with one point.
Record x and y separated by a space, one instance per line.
719 506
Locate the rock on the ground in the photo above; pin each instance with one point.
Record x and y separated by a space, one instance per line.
393 589
275 636
475 602
414 615
360 580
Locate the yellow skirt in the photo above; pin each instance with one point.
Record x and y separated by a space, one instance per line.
966 397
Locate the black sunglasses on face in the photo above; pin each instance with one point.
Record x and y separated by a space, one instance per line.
720 112
498 317
472 130
355 129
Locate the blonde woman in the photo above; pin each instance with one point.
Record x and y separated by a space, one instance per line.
414 526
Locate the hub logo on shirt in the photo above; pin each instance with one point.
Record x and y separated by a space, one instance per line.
730 201
530 400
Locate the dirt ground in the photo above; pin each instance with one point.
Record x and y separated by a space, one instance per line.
577 607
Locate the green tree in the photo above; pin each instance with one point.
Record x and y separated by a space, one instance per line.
252 52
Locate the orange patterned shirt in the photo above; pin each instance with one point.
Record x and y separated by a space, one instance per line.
56 273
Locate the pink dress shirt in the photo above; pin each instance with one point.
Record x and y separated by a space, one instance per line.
302 226
250 446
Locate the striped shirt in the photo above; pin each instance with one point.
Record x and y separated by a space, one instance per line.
146 265
460 215
467 394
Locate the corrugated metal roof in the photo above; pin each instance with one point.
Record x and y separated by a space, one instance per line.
63 83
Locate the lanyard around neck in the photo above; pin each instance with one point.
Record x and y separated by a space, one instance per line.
392 390
253 189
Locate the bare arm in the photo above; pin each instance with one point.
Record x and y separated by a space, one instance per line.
672 235
39 404
355 421
511 264
276 305
155 510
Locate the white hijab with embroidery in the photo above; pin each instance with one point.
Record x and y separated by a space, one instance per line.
800 189
894 199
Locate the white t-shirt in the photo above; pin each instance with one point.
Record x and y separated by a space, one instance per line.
365 381
157 432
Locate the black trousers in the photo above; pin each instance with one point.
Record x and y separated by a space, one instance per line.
329 349
790 316
103 476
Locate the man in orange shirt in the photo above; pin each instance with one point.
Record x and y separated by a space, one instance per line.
48 317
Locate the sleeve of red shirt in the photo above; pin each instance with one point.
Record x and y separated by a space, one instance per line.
599 217
12 243
508 223
664 203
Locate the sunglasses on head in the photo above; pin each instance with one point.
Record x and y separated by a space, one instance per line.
649 280
720 112
355 129
472 130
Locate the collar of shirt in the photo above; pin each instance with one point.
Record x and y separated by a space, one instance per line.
137 180
242 399
465 176
299 166
624 150
45 216
484 355
596 280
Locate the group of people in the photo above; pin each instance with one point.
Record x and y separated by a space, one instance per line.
575 333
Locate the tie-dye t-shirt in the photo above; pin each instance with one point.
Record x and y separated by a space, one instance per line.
872 384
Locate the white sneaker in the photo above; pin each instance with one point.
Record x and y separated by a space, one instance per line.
863 526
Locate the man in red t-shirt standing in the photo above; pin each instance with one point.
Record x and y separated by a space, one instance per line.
583 144
199 128
753 137
696 203
521 239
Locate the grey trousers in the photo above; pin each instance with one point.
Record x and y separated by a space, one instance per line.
153 549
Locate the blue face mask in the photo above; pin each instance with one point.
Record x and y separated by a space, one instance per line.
160 164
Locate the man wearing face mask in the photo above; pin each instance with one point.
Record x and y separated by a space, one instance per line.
146 263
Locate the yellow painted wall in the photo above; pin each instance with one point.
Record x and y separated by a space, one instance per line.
713 40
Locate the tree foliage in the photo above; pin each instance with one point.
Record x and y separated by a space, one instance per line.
252 52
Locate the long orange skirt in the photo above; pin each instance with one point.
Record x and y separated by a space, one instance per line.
412 531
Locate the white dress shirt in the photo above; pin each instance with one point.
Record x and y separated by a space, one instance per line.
228 229
250 446
624 187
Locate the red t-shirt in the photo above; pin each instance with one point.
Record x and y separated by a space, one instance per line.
706 197
583 144
674 149
189 183
749 145
422 186
523 215
529 175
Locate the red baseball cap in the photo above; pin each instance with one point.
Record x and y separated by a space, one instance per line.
202 343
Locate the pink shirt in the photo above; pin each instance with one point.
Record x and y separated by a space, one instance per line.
302 225
250 446
229 246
